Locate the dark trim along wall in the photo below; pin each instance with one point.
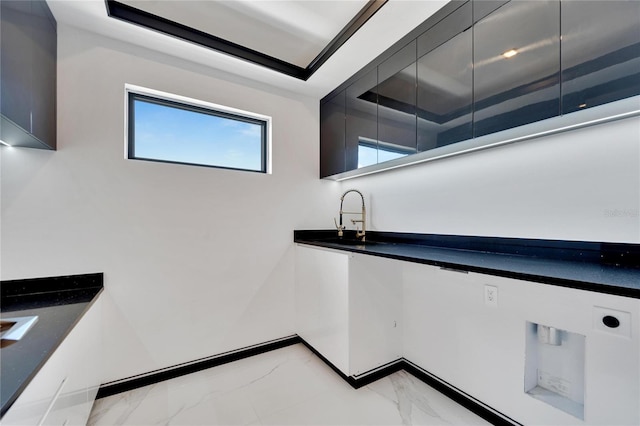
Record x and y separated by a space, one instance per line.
150 21
441 386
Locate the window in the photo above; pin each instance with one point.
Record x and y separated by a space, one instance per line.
174 129
373 152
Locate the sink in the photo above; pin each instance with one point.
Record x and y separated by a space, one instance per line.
349 242
14 329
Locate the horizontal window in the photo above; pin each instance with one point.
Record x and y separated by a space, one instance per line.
373 152
174 129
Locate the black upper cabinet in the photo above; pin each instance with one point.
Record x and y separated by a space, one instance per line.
332 128
600 52
397 104
445 81
511 91
482 8
43 105
17 44
28 74
481 67
362 121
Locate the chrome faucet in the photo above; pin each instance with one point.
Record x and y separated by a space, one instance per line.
363 219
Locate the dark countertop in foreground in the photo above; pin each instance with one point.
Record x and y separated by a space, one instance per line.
610 268
59 303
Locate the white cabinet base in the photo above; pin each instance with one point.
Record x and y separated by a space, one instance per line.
450 331
375 310
63 391
474 332
346 309
322 302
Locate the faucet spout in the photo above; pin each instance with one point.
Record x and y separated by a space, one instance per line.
360 233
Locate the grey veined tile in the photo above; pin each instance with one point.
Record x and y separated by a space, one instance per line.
289 386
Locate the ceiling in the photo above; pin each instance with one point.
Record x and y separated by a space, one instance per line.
292 31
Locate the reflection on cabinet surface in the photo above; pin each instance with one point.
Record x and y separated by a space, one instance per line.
600 52
445 81
516 66
480 67
332 153
362 122
484 7
16 77
28 74
397 104
44 76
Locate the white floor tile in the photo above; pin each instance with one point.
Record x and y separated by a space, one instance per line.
289 386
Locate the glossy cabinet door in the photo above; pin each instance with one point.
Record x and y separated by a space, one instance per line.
511 91
397 104
82 371
362 122
482 8
349 307
332 128
600 52
28 74
445 81
375 312
322 302
43 101
17 44
489 66
63 391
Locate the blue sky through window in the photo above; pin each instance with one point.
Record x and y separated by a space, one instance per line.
168 133
368 155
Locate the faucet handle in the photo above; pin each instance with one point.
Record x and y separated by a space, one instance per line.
340 228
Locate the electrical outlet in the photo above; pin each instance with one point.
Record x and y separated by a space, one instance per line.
491 296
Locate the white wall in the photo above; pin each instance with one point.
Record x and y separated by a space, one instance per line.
579 185
197 261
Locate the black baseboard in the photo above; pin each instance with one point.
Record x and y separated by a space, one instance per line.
157 376
455 394
364 379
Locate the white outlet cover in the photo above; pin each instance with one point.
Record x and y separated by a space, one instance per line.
491 296
624 318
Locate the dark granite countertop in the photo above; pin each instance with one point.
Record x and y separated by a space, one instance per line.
610 268
59 303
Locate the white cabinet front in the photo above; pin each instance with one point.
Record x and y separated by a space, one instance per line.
348 307
375 310
322 302
537 353
487 347
63 391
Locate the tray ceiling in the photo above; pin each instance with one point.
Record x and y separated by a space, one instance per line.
292 37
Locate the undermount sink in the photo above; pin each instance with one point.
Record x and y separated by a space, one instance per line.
349 242
14 329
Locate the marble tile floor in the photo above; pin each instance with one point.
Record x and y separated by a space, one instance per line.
289 386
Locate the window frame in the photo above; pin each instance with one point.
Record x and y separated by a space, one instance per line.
133 93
